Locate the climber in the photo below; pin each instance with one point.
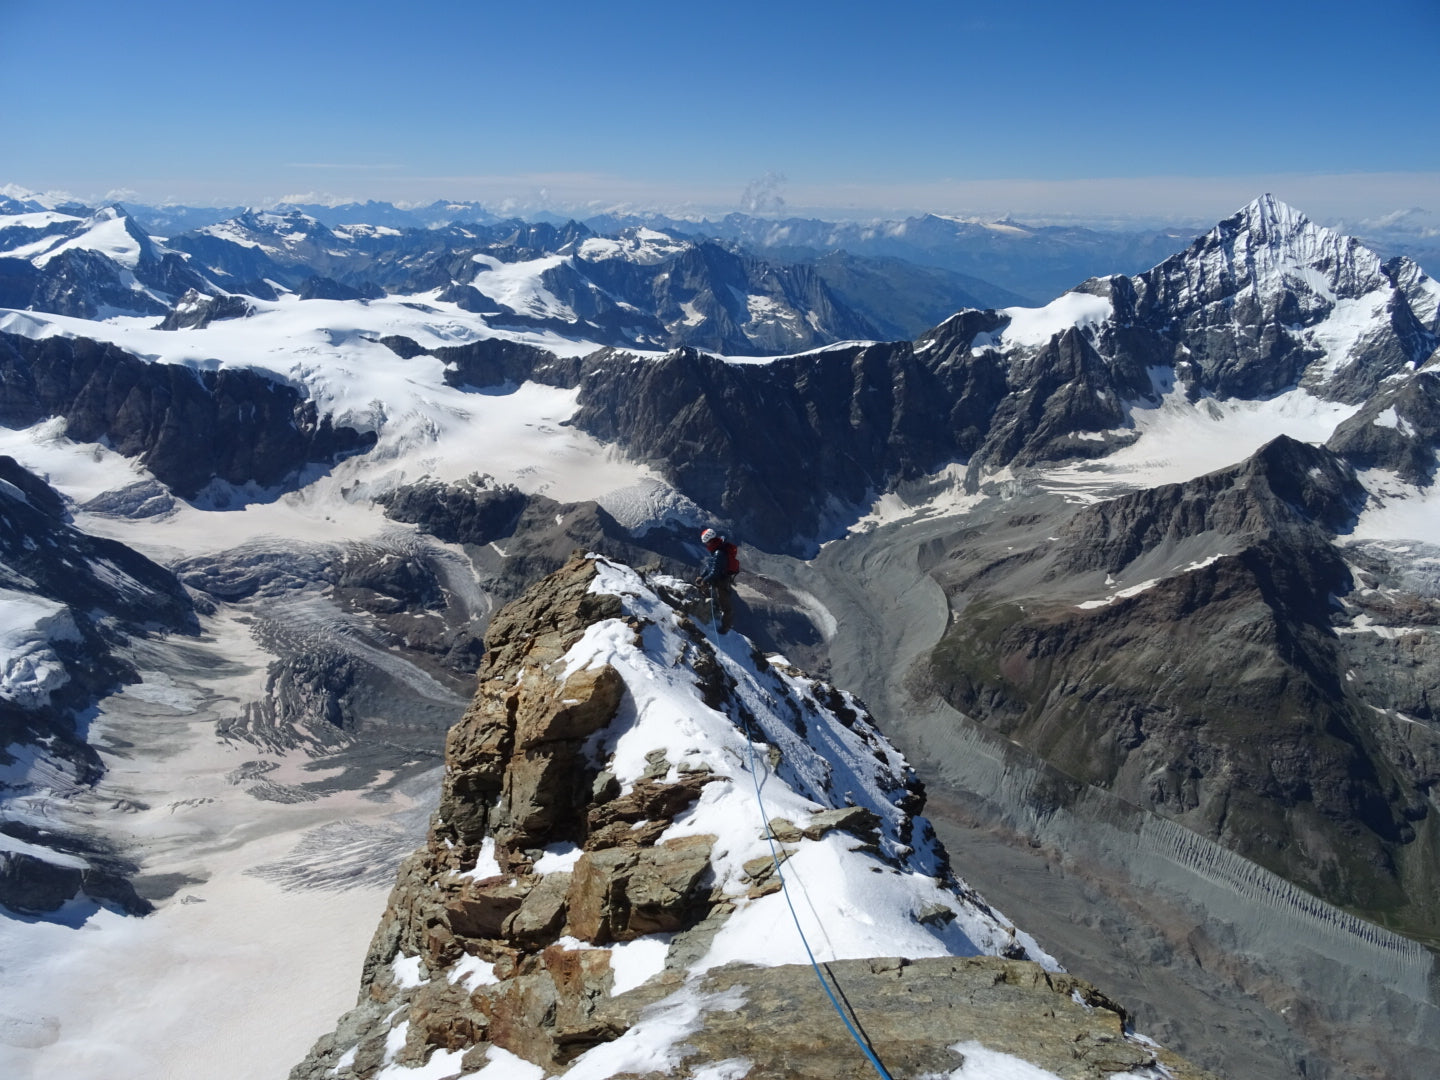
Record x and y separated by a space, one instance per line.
718 575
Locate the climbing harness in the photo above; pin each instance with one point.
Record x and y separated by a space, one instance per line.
785 890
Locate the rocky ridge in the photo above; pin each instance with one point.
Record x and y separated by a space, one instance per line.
597 894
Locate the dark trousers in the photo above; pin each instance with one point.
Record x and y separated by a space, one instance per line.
723 589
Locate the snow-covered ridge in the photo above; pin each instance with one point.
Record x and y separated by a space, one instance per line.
856 903
1031 328
729 818
639 245
109 232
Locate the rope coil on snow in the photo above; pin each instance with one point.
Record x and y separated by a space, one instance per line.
785 890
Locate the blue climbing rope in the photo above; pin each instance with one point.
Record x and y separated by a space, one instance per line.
785 890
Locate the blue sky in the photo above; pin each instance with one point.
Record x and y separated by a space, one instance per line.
1031 106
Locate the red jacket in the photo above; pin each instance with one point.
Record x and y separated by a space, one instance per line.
724 560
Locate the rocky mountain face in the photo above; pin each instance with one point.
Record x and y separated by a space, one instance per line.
729 436
593 872
71 603
1189 648
1395 429
188 427
1265 301
786 450
1267 293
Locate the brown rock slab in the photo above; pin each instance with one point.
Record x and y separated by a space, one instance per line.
621 893
852 819
912 1013
541 913
482 910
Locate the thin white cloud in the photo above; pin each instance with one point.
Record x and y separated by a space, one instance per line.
343 165
315 198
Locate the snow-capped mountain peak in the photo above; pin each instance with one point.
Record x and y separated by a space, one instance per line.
637 244
111 232
270 230
1270 245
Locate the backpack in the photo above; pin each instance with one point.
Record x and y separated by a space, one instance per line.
732 556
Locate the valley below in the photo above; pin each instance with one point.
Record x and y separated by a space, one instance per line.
1228 964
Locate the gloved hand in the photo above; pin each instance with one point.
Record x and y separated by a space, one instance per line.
699 582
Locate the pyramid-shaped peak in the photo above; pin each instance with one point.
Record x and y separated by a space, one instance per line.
1272 245
1268 208
1272 219
116 212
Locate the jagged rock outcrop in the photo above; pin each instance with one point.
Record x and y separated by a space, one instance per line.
475 511
84 594
596 869
43 869
496 362
1397 429
197 310
188 427
325 288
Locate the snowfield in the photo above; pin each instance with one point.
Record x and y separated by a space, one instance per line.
236 974
426 428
